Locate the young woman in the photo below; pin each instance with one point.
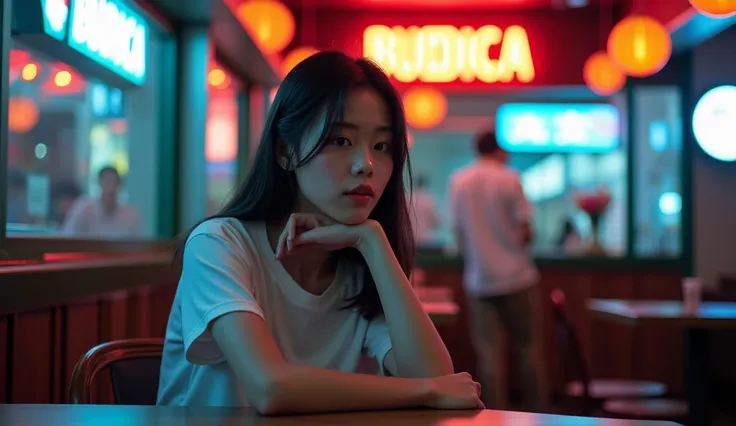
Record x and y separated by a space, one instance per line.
300 283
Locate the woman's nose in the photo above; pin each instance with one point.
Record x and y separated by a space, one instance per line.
362 163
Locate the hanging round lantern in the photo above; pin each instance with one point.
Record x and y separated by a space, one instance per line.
640 45
424 107
602 75
715 8
22 114
270 22
294 57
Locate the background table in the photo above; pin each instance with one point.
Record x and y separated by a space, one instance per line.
695 326
110 415
438 303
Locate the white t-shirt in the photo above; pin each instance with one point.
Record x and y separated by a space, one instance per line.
230 266
488 207
87 217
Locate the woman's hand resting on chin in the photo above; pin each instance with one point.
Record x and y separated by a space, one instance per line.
308 230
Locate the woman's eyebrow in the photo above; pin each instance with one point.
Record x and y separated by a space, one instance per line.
352 126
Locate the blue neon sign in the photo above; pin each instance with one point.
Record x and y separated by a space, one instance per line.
107 31
578 128
55 18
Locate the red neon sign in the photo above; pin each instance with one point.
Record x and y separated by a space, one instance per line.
443 53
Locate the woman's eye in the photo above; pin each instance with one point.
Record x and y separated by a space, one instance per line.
383 146
340 141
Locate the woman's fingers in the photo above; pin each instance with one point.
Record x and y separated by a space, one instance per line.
281 244
291 226
480 404
297 224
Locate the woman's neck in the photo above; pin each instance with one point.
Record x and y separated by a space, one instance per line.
312 269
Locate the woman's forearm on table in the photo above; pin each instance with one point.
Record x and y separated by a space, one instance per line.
298 389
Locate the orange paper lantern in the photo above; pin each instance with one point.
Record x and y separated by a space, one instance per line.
715 8
294 57
22 114
602 75
270 22
424 107
640 45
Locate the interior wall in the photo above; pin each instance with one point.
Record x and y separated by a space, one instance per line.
714 182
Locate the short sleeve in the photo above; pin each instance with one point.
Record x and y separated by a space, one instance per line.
216 279
521 208
378 342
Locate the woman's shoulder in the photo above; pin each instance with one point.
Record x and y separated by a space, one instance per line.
239 236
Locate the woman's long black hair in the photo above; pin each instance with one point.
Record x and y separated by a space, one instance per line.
318 87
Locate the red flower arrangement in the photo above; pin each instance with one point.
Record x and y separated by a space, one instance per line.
594 203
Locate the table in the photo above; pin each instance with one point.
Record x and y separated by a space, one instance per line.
695 326
438 303
111 415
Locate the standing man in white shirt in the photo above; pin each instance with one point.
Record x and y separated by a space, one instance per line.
491 219
104 217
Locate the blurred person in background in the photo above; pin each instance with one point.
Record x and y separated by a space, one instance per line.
491 219
106 216
423 213
65 195
570 241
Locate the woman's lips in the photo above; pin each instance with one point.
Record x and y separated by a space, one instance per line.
360 199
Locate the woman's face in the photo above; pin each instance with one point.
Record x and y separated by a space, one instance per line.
347 177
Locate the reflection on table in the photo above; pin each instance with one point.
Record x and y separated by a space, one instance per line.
82 415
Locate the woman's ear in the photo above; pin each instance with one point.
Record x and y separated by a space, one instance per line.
282 156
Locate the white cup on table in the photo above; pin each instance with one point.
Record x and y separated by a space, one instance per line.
692 294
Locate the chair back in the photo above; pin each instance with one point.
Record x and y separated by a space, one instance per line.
134 366
569 350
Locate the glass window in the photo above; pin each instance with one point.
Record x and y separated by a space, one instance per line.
221 142
551 181
82 155
657 170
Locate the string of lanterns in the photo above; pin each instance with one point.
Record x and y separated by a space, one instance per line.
424 107
715 8
272 26
639 46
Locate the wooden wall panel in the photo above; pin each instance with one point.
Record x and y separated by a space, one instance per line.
47 343
4 361
32 339
82 334
58 344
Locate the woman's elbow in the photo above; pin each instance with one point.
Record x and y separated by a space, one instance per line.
269 398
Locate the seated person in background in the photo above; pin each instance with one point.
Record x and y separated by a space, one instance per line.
65 196
300 281
105 217
570 240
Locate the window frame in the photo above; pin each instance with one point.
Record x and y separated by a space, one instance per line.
20 247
